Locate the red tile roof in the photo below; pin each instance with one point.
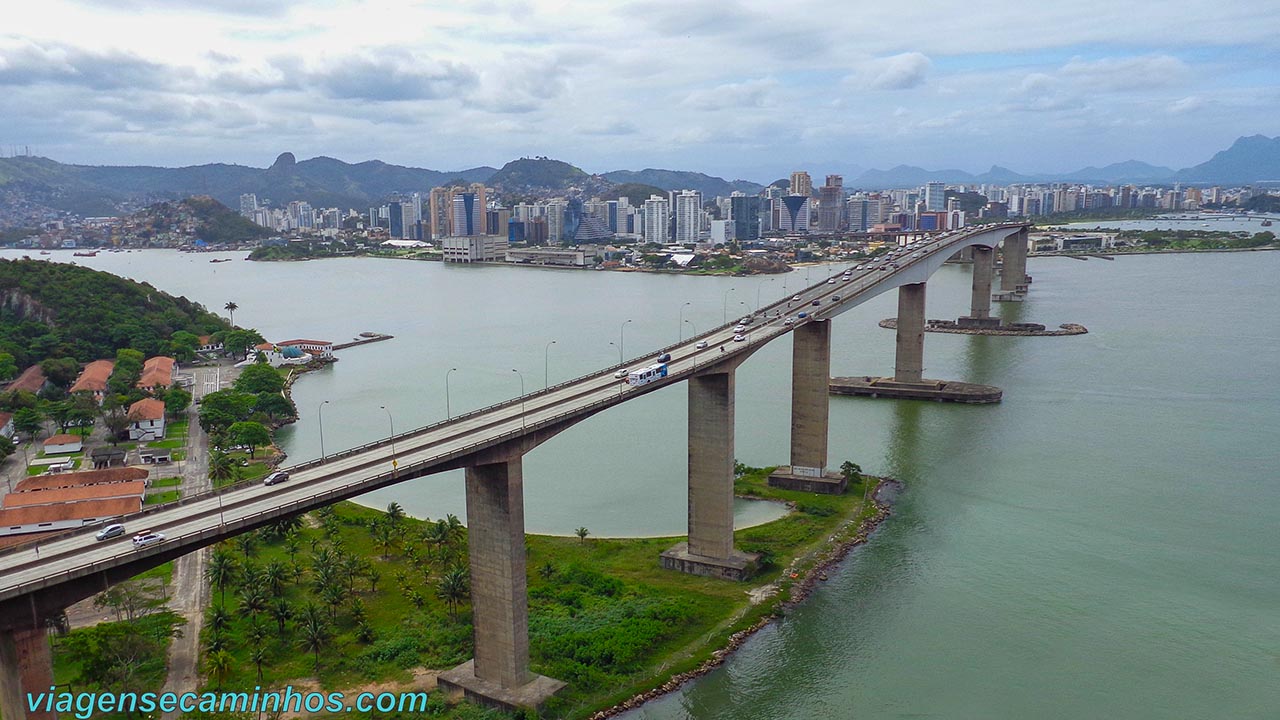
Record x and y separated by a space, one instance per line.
306 342
157 372
31 380
80 479
146 409
138 488
36 514
63 440
94 376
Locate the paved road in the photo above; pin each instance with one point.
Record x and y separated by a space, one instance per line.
199 521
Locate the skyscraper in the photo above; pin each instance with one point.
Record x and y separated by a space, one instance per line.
655 220
831 205
801 183
795 214
688 216
935 197
248 203
744 210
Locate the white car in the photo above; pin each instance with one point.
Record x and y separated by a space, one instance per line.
702 345
832 281
739 337
789 321
151 538
795 297
847 278
739 328
621 373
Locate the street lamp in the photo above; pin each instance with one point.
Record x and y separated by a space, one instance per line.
320 414
546 365
394 463
693 327
758 289
517 372
619 351
622 337
724 307
448 414
681 324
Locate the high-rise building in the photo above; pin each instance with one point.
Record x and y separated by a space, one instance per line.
396 215
688 216
248 203
468 214
935 197
801 183
744 211
656 213
794 214
831 205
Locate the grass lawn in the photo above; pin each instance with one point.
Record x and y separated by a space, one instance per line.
40 469
603 615
161 497
166 482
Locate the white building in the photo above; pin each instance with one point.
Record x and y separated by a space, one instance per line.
146 420
656 212
688 216
476 248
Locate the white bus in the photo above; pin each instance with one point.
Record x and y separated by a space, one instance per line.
647 374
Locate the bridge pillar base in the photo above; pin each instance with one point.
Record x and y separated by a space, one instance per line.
532 694
738 566
978 322
26 666
827 483
1011 296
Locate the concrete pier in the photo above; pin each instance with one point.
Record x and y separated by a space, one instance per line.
909 363
980 298
938 390
710 550
810 411
1013 274
499 675
26 666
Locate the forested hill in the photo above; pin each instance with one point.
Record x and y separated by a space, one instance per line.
51 310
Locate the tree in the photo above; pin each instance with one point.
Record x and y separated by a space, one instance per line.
582 534
247 544
253 600
8 366
252 434
259 379
274 406
454 587
384 534
127 371
7 447
315 631
220 663
115 416
238 342
221 466
220 410
61 413
176 401
281 611
28 421
183 345
395 514
231 308
61 372
221 571
258 655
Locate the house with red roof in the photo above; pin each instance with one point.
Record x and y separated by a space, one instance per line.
58 444
157 372
6 425
93 379
146 420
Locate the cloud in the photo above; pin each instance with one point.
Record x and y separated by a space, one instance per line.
29 63
895 72
260 8
1188 104
392 76
1126 73
614 127
752 93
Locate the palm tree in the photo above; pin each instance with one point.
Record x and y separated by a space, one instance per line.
274 577
315 631
247 544
333 596
221 467
219 619
395 513
454 586
221 570
582 534
231 307
281 611
258 655
547 570
219 664
253 600
384 533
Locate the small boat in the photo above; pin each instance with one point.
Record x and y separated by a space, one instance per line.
45 252
1266 223
218 260
91 253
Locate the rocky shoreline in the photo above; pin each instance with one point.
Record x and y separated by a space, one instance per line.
882 497
939 326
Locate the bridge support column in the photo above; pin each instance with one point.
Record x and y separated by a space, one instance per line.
909 364
980 300
26 666
810 412
710 550
1013 275
499 674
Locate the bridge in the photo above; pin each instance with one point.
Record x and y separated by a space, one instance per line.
38 581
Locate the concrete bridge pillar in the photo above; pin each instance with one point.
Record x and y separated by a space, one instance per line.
810 411
26 666
499 674
710 550
980 299
1013 276
909 364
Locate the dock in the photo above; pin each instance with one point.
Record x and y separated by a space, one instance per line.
364 339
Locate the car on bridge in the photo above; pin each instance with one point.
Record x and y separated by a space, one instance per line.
275 478
145 539
621 373
702 345
816 302
110 531
739 337
789 321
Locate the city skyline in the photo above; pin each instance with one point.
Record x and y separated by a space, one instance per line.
754 95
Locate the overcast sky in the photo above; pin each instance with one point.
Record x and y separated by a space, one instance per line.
736 88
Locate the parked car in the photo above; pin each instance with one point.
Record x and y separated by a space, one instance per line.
110 531
275 478
151 538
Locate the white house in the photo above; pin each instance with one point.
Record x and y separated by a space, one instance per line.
316 348
6 425
146 420
59 444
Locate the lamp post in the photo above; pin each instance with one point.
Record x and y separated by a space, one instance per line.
681 325
693 327
546 365
758 289
619 351
517 372
622 338
448 413
395 464
724 307
320 414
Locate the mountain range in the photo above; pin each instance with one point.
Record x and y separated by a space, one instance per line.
328 182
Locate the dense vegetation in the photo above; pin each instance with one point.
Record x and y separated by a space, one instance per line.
1197 239
214 222
304 250
55 310
1263 203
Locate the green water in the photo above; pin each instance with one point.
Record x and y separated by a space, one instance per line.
1103 544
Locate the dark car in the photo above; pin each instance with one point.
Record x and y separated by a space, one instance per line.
110 531
278 476
664 357
816 302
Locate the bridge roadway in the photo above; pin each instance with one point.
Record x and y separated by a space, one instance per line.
202 520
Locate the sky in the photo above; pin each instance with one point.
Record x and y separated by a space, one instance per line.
735 88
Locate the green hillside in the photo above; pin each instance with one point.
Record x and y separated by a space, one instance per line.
50 310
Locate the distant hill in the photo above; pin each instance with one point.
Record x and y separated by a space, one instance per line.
1248 160
637 193
208 220
527 173
709 185
908 176
1134 171
50 310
